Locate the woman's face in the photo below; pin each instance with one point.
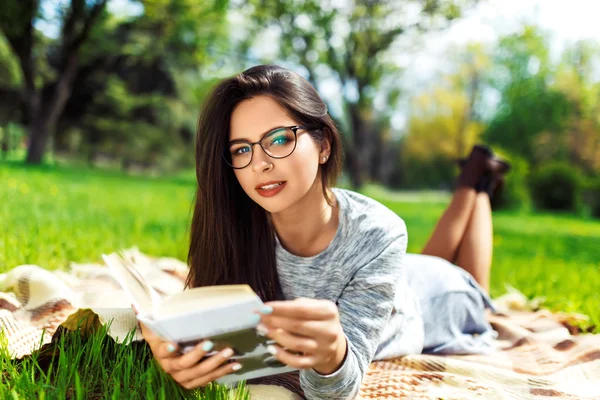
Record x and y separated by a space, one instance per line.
295 174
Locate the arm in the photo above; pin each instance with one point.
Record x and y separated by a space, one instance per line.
364 306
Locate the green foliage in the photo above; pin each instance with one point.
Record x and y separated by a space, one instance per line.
122 82
437 171
530 108
592 196
515 194
134 127
9 67
531 111
575 78
12 136
189 32
556 186
440 131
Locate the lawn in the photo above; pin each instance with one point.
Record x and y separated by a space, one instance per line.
50 216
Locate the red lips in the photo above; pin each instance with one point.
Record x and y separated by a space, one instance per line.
270 192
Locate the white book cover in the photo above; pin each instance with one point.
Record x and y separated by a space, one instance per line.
218 313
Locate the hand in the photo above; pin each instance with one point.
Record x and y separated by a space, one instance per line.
308 326
186 369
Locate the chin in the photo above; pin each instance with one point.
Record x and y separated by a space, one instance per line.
275 204
272 205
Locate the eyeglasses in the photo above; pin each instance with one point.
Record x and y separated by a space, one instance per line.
278 143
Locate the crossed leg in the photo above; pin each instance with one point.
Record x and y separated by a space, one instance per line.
464 234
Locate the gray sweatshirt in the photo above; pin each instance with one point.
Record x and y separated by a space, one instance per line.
362 272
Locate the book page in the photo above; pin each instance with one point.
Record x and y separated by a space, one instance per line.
202 298
132 283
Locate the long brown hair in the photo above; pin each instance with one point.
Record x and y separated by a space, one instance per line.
232 240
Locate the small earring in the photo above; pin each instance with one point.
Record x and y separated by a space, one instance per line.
324 159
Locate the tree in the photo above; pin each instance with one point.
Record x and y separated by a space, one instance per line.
574 79
160 52
532 114
9 96
350 43
473 63
137 92
45 106
439 130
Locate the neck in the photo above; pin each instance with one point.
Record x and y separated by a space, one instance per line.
307 228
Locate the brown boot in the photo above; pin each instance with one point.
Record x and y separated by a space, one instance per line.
492 179
491 185
475 167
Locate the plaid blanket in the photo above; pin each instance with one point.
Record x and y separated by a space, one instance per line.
540 354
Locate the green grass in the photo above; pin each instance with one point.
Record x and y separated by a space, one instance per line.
93 366
50 216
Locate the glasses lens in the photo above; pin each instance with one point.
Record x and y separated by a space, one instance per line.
239 154
279 143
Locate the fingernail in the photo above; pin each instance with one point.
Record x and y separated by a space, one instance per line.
266 310
170 348
207 346
227 353
254 319
236 367
272 349
261 329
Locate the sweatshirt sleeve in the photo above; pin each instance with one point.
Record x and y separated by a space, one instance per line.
365 306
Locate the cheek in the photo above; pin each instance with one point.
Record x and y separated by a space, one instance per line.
243 178
307 160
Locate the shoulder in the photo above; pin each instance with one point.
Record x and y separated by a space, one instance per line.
368 221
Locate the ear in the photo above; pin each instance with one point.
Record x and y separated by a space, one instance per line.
325 147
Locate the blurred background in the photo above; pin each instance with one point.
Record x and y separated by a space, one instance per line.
413 84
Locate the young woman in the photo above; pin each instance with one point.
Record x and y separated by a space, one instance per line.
329 263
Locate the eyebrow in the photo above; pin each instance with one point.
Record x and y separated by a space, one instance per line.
245 140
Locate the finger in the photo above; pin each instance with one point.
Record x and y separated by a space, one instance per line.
205 367
148 334
293 360
154 340
164 349
215 374
293 342
311 329
188 359
302 308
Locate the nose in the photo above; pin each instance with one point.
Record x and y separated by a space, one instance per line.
260 160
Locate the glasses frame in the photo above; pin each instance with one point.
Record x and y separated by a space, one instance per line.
293 128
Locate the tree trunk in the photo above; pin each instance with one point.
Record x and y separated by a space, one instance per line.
38 139
357 163
5 142
353 168
44 121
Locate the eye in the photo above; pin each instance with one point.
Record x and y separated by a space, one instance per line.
239 150
280 137
280 140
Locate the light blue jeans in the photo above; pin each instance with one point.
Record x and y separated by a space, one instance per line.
452 307
440 309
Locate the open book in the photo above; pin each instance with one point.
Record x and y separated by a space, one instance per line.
219 313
